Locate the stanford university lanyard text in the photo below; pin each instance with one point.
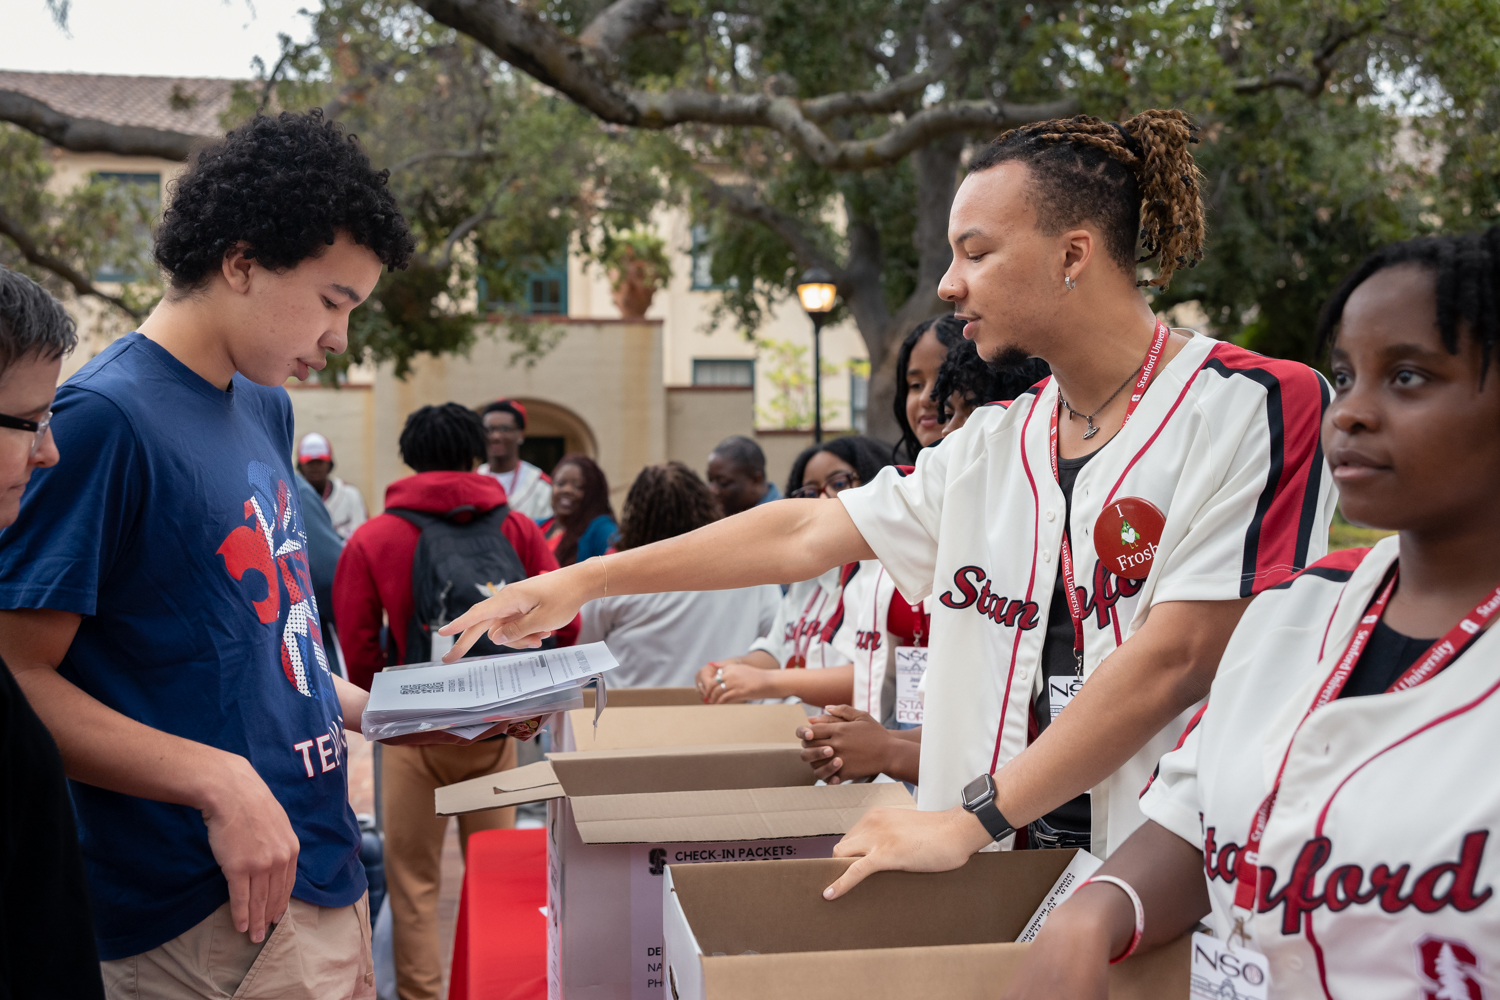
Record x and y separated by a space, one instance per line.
1437 658
1065 550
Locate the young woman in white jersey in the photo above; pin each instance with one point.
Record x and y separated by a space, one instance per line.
1334 805
797 658
881 632
1203 485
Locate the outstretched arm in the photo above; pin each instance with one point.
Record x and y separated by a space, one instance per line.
773 543
1070 957
1160 672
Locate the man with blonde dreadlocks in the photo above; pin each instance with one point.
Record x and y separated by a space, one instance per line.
1088 549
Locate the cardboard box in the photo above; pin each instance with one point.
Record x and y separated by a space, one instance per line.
617 817
736 932
622 728
637 697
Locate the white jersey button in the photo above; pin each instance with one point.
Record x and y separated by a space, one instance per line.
1046 555
1051 515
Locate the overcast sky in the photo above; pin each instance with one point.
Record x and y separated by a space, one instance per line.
149 37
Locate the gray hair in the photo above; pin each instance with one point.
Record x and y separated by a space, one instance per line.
32 322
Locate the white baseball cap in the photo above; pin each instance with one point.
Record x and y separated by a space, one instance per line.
314 446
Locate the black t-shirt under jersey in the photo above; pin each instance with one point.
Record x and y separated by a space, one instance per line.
1384 660
1057 655
46 933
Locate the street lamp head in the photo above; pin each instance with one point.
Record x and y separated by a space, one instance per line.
816 290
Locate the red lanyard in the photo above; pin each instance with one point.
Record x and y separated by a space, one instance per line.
1439 655
1065 551
800 648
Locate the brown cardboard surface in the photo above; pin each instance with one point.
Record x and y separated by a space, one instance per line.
531 783
622 728
742 814
638 697
896 935
681 769
964 972
779 906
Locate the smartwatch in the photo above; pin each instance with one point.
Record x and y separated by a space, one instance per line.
979 799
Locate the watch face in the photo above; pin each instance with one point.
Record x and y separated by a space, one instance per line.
974 791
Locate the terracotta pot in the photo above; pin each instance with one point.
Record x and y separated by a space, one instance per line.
634 285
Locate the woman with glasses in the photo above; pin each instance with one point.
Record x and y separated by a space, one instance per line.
798 659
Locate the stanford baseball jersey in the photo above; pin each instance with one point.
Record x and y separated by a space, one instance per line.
1223 444
1376 874
796 637
865 638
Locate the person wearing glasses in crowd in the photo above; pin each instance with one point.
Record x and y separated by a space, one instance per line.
45 920
883 634
527 488
797 659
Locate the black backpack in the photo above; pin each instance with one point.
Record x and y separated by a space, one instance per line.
462 558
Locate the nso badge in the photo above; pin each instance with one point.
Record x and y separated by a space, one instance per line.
1220 972
1126 535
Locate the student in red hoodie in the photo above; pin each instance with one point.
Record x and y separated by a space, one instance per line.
443 444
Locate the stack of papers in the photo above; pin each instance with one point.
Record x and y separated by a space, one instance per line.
470 696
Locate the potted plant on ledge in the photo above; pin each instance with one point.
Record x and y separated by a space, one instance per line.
637 264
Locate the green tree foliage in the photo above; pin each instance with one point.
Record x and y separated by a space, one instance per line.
1329 127
494 175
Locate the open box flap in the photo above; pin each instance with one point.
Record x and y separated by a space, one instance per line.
680 769
532 783
622 728
653 696
731 815
963 972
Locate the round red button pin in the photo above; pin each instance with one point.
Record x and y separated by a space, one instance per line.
1126 536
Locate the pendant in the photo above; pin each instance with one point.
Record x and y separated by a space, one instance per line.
796 662
1091 431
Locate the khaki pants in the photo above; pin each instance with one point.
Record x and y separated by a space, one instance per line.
414 846
314 953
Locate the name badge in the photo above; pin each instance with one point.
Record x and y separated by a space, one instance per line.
1062 689
1219 971
1126 535
911 664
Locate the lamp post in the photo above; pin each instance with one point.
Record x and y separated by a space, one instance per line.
817 293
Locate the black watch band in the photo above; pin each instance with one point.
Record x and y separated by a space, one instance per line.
979 799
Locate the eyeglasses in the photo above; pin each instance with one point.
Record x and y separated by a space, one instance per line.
38 428
833 487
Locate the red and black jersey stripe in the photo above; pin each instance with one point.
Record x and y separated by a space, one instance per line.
1277 541
830 629
1335 566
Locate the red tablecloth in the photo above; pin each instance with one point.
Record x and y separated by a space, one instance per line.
500 941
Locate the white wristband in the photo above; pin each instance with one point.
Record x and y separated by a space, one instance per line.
1135 901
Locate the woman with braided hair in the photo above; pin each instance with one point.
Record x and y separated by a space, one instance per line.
1088 549
660 639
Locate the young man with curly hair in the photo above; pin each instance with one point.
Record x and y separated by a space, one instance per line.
161 618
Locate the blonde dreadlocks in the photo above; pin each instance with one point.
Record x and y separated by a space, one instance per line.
1135 179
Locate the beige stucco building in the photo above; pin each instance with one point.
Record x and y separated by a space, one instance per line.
626 393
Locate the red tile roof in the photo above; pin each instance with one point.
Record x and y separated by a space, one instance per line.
191 105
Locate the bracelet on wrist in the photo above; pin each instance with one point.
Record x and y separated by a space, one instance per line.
1140 913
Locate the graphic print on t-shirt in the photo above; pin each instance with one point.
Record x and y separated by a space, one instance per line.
276 548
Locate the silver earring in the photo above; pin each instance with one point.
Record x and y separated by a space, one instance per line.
1068 280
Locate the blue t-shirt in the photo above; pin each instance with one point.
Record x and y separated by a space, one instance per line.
172 525
597 537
